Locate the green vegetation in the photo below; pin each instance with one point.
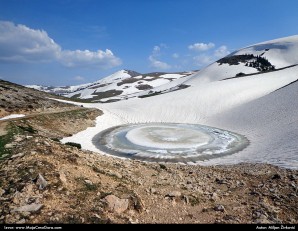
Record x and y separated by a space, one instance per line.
260 63
193 200
91 187
86 185
162 166
240 74
12 131
27 129
5 140
74 145
151 93
56 140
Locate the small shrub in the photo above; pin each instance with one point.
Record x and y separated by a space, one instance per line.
28 129
91 187
55 139
194 200
162 166
74 145
240 74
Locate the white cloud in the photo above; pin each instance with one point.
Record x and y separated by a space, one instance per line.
154 58
79 58
203 60
201 46
175 56
79 78
156 50
158 64
209 55
221 52
19 43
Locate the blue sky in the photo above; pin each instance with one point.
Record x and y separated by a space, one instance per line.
70 42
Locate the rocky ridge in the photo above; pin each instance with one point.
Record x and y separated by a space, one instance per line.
44 181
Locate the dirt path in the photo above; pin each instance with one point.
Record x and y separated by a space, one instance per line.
3 123
41 113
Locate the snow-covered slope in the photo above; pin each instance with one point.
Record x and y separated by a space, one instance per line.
250 92
59 90
121 85
270 123
68 90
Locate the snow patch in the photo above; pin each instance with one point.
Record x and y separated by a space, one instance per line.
12 116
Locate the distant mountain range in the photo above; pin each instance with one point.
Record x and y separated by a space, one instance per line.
123 84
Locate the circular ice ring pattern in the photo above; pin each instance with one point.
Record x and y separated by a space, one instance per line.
169 142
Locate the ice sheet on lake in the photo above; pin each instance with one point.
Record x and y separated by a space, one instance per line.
169 142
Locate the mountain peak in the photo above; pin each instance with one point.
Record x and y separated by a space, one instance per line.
132 73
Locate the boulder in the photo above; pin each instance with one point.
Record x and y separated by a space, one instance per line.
174 194
116 204
219 208
41 182
29 208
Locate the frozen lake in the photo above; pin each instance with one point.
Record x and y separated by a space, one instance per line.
169 142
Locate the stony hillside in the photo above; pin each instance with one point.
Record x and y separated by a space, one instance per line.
17 99
45 181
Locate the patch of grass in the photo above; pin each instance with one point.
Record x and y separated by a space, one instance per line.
74 145
194 200
8 138
162 166
28 129
91 187
137 202
86 186
55 139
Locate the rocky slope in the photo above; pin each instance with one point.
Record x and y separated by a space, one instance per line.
21 100
44 181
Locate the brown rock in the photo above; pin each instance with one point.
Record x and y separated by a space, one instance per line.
41 182
17 155
9 145
28 208
46 143
2 191
219 208
116 204
89 182
174 194
18 139
62 177
16 198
